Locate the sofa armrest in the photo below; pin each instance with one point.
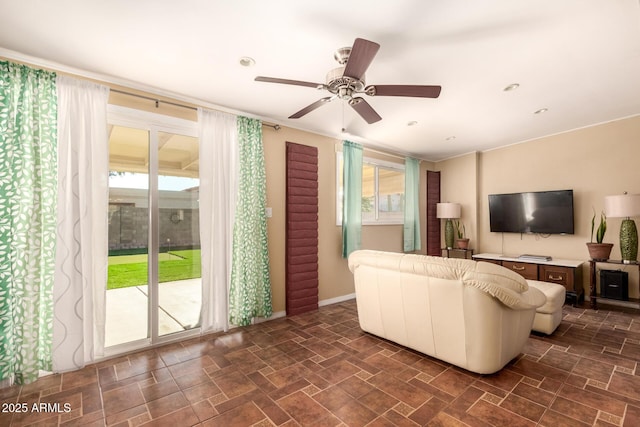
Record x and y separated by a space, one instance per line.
530 299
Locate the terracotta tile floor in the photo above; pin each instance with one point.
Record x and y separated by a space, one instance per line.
319 369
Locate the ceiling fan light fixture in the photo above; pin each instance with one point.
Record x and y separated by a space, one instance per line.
247 61
342 55
511 87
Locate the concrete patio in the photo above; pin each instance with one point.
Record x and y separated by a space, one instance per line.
126 316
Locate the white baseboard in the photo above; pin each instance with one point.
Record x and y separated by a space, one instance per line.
275 315
336 300
280 314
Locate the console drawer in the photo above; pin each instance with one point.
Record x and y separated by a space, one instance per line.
569 276
526 270
560 275
492 261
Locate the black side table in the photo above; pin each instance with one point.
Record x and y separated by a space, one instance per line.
464 253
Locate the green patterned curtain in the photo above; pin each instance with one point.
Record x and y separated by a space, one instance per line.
352 197
412 205
27 220
250 289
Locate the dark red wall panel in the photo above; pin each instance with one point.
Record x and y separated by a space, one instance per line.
302 229
433 223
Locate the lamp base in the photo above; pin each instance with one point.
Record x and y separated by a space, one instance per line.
448 233
629 241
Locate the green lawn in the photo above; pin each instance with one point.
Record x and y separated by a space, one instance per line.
141 258
131 270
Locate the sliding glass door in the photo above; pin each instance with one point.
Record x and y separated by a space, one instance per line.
154 288
179 292
128 271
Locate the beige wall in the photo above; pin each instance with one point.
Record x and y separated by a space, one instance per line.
458 184
594 162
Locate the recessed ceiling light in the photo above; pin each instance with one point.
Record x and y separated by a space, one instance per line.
412 123
246 61
540 111
512 86
450 138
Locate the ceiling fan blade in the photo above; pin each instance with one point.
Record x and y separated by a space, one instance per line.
362 53
403 90
309 108
287 82
365 110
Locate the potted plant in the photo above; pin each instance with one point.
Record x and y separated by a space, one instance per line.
599 251
461 242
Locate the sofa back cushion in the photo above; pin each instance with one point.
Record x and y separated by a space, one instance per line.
468 271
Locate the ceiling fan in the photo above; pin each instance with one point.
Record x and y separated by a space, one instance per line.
348 80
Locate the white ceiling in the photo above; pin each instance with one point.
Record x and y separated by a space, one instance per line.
580 59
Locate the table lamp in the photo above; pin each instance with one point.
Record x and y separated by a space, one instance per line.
625 206
448 211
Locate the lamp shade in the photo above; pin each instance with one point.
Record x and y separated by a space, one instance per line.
448 210
622 206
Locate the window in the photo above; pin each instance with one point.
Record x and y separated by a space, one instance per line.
382 192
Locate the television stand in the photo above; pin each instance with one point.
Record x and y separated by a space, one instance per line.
565 272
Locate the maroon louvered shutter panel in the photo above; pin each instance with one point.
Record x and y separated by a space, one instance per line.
433 223
302 229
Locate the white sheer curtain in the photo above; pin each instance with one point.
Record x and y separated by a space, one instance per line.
81 253
219 166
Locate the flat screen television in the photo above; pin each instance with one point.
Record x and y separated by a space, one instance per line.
541 212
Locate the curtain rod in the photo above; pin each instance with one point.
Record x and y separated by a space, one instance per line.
373 150
338 148
158 101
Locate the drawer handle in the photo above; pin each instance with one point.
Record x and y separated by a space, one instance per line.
555 277
515 267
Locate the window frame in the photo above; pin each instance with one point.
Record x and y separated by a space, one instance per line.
376 163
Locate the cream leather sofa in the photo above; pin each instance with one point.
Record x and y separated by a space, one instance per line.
475 315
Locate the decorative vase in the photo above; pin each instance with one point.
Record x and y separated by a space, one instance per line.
599 251
462 243
448 233
628 241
